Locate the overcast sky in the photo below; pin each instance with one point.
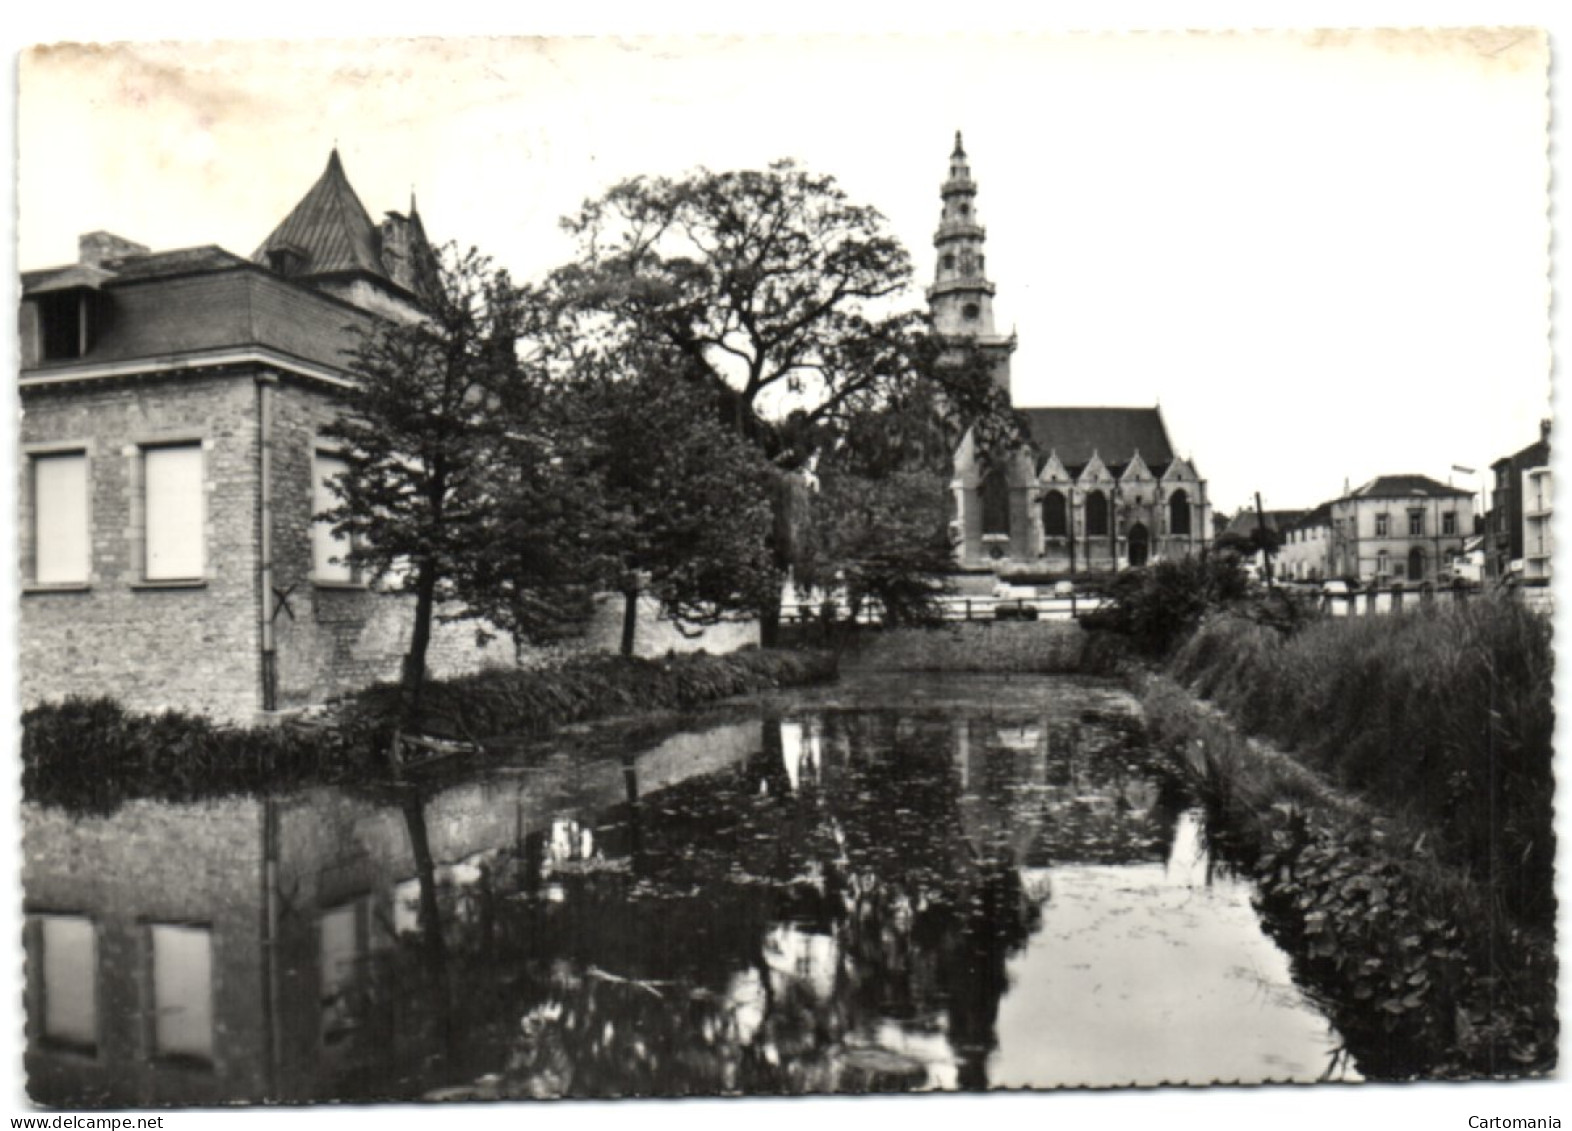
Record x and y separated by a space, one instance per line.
1325 255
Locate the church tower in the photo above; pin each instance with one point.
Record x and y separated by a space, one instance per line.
961 298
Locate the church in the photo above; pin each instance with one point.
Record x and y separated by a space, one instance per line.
1096 489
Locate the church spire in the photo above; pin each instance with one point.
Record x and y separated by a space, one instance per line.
961 298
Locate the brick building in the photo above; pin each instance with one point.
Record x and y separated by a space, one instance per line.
173 462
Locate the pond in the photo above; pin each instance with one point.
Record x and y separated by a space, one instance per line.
892 883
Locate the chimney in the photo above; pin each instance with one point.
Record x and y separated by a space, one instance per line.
94 249
1544 429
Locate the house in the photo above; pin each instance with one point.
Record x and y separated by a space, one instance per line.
1095 489
1518 528
1399 528
173 462
1306 550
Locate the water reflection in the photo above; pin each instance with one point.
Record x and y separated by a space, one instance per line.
996 890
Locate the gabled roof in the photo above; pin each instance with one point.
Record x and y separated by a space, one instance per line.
1404 486
330 228
1247 520
1115 434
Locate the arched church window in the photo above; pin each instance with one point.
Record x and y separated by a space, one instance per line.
1096 513
1056 521
965 210
995 503
970 311
949 263
1179 513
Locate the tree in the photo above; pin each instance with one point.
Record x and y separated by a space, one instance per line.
425 443
778 293
882 523
687 502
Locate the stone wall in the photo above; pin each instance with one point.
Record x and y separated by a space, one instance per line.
656 635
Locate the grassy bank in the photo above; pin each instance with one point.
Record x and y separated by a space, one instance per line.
91 755
1442 717
1413 958
1041 647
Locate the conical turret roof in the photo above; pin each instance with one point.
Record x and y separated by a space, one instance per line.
330 228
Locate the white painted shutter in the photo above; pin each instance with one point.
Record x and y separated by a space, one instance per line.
70 970
60 518
329 550
183 991
174 512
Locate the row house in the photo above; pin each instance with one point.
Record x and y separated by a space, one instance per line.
1306 552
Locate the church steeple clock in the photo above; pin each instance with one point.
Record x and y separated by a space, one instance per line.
961 298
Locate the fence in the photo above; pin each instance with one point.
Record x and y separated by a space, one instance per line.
1380 602
959 609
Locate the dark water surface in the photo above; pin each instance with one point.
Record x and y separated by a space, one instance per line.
893 883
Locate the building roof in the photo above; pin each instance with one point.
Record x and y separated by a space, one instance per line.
1114 434
330 229
1319 516
1403 487
156 265
1247 520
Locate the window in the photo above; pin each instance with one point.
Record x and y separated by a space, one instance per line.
1383 564
341 947
63 324
68 985
329 550
183 992
1096 513
1449 523
1055 516
995 503
970 311
949 262
60 539
1381 526
1179 513
172 484
1416 524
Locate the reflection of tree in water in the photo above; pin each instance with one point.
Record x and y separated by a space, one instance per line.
816 919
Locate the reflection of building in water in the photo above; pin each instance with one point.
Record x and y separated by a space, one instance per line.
224 950
837 891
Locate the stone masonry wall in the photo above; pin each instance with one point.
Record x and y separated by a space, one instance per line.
192 647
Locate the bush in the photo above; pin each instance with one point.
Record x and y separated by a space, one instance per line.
510 701
90 755
1158 606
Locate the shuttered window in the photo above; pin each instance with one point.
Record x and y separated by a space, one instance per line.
175 512
183 992
60 518
330 551
69 966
